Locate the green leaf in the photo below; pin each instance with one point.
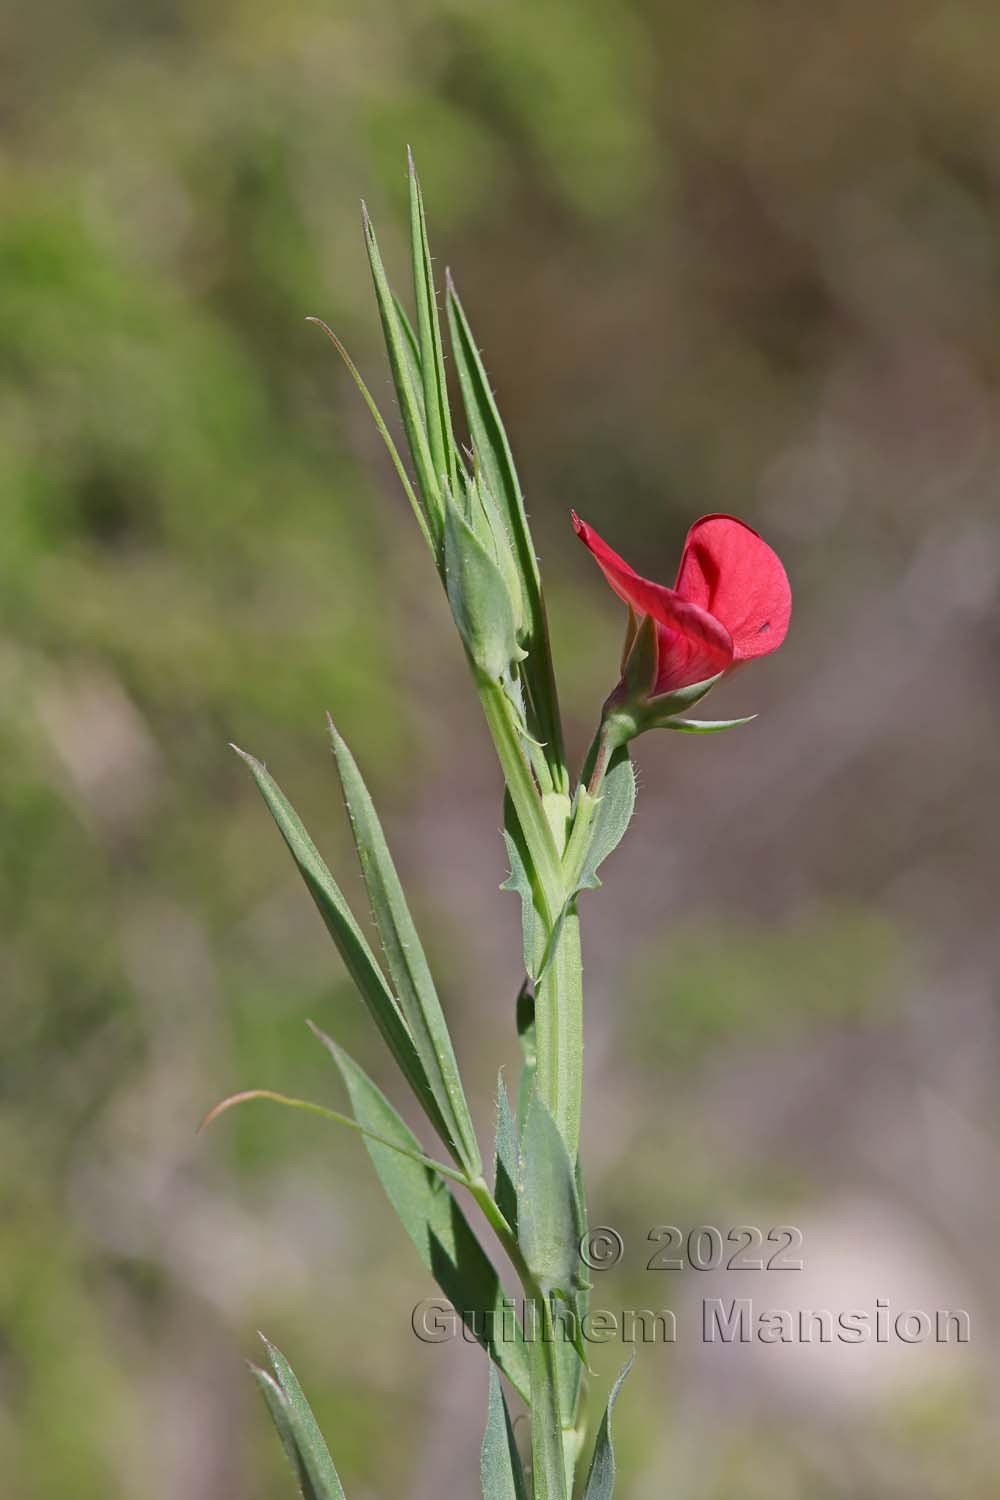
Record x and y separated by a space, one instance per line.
411 405
298 1429
412 351
493 452
305 1429
479 598
436 1225
361 963
601 1479
405 958
436 409
613 815
271 1391
489 439
548 1209
503 1476
506 1168
704 726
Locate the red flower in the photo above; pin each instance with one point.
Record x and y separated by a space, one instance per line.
731 601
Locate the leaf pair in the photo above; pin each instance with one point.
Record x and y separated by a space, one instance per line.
409 1015
405 960
410 1019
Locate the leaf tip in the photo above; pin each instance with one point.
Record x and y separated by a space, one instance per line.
320 323
244 755
321 1036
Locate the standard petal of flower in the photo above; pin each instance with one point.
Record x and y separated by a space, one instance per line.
730 571
690 639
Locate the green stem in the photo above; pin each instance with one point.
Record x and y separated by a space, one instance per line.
549 1480
524 794
559 1056
559 1032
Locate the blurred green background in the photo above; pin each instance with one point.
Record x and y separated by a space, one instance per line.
732 257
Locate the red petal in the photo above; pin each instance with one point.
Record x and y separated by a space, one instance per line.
693 645
731 572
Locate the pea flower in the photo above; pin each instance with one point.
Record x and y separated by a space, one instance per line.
731 602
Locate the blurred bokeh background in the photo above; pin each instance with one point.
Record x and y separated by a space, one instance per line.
731 257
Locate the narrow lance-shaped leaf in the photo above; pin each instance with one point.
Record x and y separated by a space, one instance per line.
437 414
278 1408
436 1225
298 1429
405 958
488 435
410 404
416 370
601 1479
305 1428
493 451
412 351
503 1476
361 963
